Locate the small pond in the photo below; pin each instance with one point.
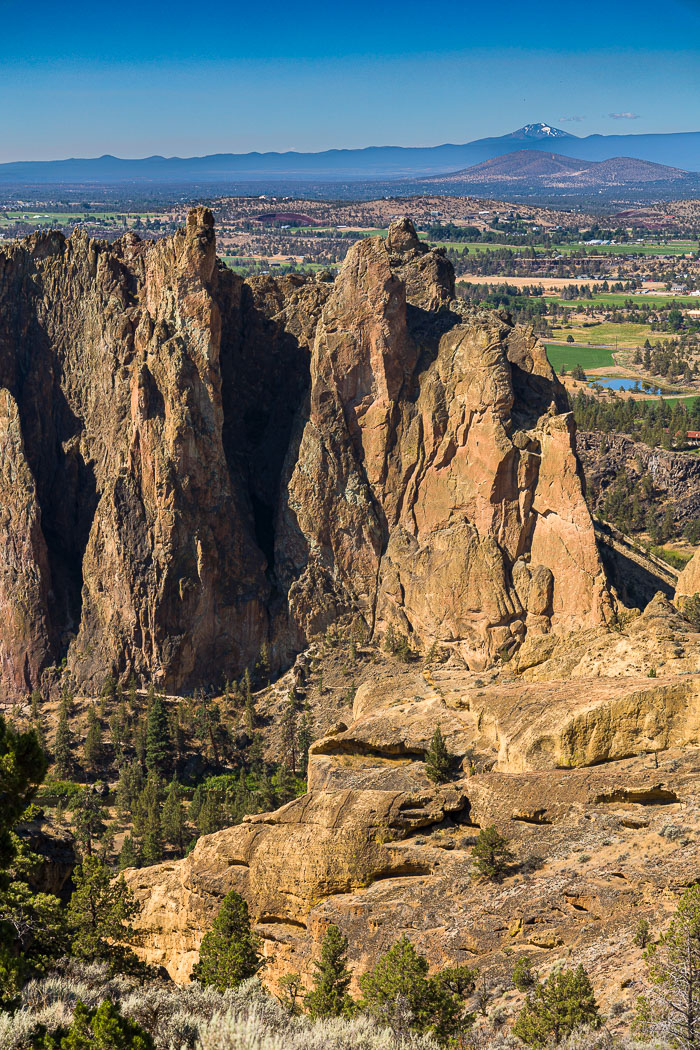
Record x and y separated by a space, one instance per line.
623 383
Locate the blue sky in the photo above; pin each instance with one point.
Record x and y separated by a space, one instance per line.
135 79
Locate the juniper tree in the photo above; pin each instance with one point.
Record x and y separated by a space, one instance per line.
523 977
437 758
103 1028
642 933
32 926
492 853
27 919
329 997
229 953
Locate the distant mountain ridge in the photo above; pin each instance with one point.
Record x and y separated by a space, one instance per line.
556 170
679 150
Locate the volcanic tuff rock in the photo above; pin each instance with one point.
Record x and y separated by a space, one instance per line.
586 763
146 404
194 464
689 580
436 488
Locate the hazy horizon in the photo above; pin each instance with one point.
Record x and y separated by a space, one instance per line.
153 81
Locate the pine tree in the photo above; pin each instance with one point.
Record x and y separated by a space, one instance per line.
92 751
229 953
157 737
255 755
129 855
330 997
63 744
211 815
668 1011
99 917
196 804
556 1008
89 819
140 740
437 758
147 802
265 794
174 818
129 787
119 731
285 785
152 840
242 798
133 697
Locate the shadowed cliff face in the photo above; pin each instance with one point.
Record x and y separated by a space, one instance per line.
193 464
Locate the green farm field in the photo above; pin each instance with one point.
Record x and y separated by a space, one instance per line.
620 298
570 355
605 334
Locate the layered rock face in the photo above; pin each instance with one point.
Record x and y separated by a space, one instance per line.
193 464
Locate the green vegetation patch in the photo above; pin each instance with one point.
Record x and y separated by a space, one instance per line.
606 333
568 356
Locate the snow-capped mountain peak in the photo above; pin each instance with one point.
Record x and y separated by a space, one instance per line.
541 131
